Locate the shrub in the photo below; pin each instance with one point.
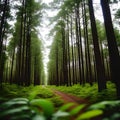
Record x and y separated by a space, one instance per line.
41 109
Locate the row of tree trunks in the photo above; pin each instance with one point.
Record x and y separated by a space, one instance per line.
84 59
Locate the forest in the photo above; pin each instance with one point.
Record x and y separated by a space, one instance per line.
81 80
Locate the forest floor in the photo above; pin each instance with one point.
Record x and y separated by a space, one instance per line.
75 101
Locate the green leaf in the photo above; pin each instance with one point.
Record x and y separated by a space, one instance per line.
66 106
20 99
14 102
97 106
38 117
46 106
21 117
60 114
104 105
77 109
90 114
11 103
14 111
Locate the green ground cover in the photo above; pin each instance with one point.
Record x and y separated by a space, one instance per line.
32 92
90 92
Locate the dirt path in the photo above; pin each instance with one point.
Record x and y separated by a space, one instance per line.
70 98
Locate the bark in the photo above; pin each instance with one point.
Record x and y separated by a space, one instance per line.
68 44
112 45
72 47
78 45
2 24
81 47
12 64
87 47
57 72
65 69
98 60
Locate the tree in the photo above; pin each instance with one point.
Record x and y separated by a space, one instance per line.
4 26
98 59
112 45
25 44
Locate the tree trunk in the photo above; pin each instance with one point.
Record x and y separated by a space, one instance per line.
65 69
98 60
112 45
68 44
78 45
12 64
72 47
57 72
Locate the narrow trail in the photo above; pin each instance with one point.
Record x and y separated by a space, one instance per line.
70 98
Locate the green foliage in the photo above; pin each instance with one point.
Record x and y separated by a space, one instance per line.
32 92
57 101
110 109
77 109
47 106
27 12
15 108
59 115
90 114
31 106
66 106
36 92
117 14
22 108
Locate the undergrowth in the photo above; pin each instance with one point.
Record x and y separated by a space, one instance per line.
32 92
90 92
41 109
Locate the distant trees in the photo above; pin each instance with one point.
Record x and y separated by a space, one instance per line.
83 50
23 65
4 26
75 61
